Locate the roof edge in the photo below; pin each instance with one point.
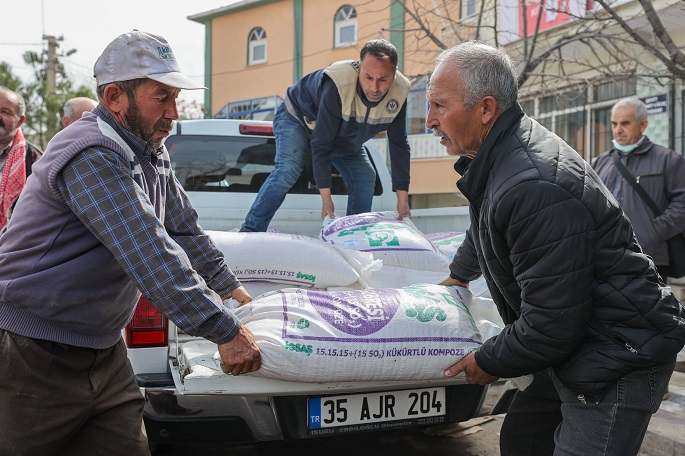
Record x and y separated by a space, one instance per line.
228 9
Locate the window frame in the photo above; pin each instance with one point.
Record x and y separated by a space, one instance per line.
349 19
466 5
255 39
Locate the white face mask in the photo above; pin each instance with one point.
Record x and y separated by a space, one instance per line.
624 149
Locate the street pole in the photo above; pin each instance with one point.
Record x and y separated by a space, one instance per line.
52 63
51 82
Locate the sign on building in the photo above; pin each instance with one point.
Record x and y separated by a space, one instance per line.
656 104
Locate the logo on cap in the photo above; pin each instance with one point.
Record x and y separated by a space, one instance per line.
165 53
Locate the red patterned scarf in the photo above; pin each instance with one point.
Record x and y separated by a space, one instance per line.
13 177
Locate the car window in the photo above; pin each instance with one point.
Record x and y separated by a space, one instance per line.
235 164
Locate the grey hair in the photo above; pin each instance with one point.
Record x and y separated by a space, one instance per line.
69 109
485 71
129 87
20 99
638 106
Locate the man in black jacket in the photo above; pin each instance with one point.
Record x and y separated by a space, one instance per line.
585 310
657 169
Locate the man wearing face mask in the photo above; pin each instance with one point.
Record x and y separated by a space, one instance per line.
660 171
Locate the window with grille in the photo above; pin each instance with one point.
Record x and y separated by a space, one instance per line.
257 46
345 26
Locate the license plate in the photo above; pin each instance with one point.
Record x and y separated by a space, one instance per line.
355 412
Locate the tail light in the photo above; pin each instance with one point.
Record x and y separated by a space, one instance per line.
252 129
148 328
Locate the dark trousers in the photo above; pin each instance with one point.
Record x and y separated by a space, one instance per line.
549 419
58 399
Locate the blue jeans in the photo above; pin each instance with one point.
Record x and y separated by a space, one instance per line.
549 419
293 148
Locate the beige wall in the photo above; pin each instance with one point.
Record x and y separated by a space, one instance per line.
433 176
318 42
232 78
419 54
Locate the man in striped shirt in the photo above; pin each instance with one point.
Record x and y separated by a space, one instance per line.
101 220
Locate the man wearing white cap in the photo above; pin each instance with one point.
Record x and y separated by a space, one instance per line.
101 217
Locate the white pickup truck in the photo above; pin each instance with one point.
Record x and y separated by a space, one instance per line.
221 164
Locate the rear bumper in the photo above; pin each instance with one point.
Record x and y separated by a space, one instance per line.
171 417
174 418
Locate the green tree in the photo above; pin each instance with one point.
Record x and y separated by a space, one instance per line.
7 79
43 107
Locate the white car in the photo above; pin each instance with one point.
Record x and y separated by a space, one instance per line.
221 164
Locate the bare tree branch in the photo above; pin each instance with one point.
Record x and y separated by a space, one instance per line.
675 62
590 48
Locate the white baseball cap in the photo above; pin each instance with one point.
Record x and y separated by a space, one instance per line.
137 55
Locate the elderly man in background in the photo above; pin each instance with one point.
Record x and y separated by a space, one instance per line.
659 171
74 109
17 155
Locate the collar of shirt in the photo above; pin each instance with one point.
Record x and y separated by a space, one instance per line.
5 150
138 145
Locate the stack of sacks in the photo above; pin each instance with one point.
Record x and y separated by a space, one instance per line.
269 261
408 256
447 241
411 333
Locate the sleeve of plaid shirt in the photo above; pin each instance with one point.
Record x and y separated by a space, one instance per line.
99 188
181 223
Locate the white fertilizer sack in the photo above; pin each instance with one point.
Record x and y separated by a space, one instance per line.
290 259
396 242
411 333
487 318
447 241
479 288
397 277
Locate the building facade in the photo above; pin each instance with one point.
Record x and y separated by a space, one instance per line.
256 49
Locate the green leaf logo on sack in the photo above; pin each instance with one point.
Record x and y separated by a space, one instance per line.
303 323
377 235
356 312
425 312
369 223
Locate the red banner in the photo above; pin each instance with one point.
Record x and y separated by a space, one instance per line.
554 12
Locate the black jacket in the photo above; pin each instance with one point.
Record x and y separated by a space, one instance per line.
561 261
661 172
33 153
